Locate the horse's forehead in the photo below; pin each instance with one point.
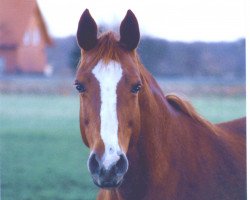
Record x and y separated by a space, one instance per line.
126 62
114 70
108 73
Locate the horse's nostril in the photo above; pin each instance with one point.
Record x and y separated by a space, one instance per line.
122 165
93 164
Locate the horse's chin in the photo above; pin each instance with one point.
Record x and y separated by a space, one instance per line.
107 185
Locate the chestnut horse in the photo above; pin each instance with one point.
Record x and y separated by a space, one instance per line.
144 145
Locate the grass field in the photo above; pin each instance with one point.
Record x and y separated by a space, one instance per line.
42 155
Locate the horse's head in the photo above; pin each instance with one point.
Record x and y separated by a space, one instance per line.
108 80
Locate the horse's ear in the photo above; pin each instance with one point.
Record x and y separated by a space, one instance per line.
87 31
129 32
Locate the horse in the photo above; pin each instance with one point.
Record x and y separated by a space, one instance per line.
145 145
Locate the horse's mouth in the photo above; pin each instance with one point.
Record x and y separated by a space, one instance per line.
107 184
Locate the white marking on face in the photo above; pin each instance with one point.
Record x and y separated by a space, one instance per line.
109 76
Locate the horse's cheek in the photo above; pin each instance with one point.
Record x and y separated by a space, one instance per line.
83 133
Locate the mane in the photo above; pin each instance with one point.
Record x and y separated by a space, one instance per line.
187 109
107 49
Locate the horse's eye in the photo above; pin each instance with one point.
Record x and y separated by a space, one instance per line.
80 88
136 88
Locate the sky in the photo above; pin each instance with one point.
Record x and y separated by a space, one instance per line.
175 20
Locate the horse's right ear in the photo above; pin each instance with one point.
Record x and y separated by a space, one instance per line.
87 31
129 32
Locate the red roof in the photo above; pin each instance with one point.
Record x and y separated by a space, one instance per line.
14 18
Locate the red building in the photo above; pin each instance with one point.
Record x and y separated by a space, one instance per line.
23 37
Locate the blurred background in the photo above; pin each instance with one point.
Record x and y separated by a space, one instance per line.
194 48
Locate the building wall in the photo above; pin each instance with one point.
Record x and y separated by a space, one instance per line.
31 59
31 52
9 60
23 36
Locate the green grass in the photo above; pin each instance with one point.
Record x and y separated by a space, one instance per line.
220 109
42 155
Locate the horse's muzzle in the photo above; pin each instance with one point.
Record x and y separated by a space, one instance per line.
107 178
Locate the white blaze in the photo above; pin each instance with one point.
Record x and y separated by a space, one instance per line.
109 77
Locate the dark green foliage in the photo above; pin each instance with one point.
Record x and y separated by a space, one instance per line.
221 59
161 57
74 57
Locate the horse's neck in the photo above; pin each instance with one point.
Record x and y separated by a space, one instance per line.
152 148
154 115
174 151
165 145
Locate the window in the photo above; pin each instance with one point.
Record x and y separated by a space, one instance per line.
32 37
36 37
27 38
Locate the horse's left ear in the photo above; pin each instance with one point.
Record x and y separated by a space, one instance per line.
129 32
87 31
